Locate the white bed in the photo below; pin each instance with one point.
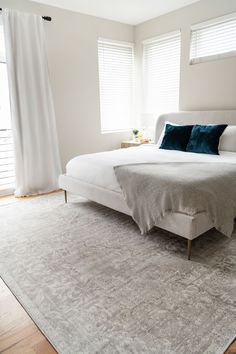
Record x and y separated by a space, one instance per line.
92 176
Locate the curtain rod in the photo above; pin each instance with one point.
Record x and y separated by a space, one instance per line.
46 18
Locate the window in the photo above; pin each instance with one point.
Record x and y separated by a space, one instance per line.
161 73
213 39
116 81
6 144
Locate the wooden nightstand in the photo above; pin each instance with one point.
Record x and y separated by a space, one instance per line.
130 143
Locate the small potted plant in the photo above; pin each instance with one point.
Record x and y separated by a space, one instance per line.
135 134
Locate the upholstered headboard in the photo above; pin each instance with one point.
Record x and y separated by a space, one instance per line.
195 117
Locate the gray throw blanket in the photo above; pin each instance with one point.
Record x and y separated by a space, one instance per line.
151 190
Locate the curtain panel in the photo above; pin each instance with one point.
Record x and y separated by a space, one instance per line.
37 160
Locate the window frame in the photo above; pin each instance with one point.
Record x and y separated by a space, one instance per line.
6 140
207 24
147 41
118 43
2 60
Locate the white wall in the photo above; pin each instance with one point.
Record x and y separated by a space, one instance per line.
205 86
72 54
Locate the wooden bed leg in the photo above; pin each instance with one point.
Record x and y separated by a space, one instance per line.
65 193
189 248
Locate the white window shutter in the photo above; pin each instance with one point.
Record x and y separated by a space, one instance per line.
213 39
2 43
7 171
116 82
161 73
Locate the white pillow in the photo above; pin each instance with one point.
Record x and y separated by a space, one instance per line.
228 139
163 133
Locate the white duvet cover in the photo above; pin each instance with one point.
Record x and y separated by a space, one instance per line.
98 168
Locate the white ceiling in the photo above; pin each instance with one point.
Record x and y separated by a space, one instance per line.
132 12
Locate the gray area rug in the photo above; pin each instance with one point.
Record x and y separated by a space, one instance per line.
93 284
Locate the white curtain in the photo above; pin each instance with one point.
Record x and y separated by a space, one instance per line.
37 160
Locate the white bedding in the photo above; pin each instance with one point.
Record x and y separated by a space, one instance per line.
98 168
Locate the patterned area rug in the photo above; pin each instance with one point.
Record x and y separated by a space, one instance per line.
93 284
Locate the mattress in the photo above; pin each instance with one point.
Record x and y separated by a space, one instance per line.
98 168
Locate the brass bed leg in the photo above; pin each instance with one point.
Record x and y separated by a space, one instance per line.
65 193
189 248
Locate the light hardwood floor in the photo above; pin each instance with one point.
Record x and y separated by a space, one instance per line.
20 335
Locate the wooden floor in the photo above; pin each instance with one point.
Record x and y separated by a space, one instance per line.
231 349
19 334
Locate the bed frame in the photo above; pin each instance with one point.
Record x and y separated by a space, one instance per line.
183 225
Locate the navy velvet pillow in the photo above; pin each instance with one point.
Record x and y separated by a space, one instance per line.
176 137
204 139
